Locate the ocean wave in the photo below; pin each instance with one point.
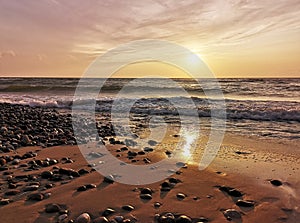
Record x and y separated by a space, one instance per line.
282 111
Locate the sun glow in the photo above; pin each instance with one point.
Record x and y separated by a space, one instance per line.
189 140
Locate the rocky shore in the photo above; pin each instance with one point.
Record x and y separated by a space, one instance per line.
45 178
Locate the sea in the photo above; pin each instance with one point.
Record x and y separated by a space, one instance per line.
267 107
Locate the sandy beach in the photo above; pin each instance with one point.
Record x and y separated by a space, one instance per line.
252 179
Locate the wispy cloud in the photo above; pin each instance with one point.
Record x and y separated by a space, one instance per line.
86 29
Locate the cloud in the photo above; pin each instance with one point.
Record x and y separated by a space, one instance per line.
7 54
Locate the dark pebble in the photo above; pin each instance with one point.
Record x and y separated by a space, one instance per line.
276 183
128 207
108 211
52 208
146 196
245 203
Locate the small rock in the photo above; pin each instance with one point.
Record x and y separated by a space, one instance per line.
108 211
180 196
30 188
109 179
231 214
165 186
83 218
90 186
52 208
245 203
82 188
35 197
157 204
183 219
128 207
146 196
276 183
5 201
146 190
46 174
62 217
119 219
167 218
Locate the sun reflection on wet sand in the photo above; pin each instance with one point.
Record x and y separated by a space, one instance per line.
189 140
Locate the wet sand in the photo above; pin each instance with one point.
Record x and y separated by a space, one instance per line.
251 180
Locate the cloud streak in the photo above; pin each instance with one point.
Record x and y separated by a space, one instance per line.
84 29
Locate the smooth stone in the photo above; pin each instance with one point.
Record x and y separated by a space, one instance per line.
119 219
167 218
52 208
174 180
180 196
128 207
46 174
109 179
157 204
5 201
235 193
276 183
108 211
183 219
146 190
152 142
146 196
83 218
35 197
245 203
30 188
148 149
62 217
90 186
83 171
231 214
82 188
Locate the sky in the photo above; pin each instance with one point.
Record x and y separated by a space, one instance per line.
235 38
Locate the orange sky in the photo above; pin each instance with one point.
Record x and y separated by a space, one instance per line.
236 38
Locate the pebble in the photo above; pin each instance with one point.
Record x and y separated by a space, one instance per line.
30 188
4 201
52 208
109 179
82 188
231 214
165 186
157 204
35 197
180 196
231 191
47 174
146 190
276 183
146 196
167 218
108 211
62 217
183 219
128 207
119 219
83 218
245 203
